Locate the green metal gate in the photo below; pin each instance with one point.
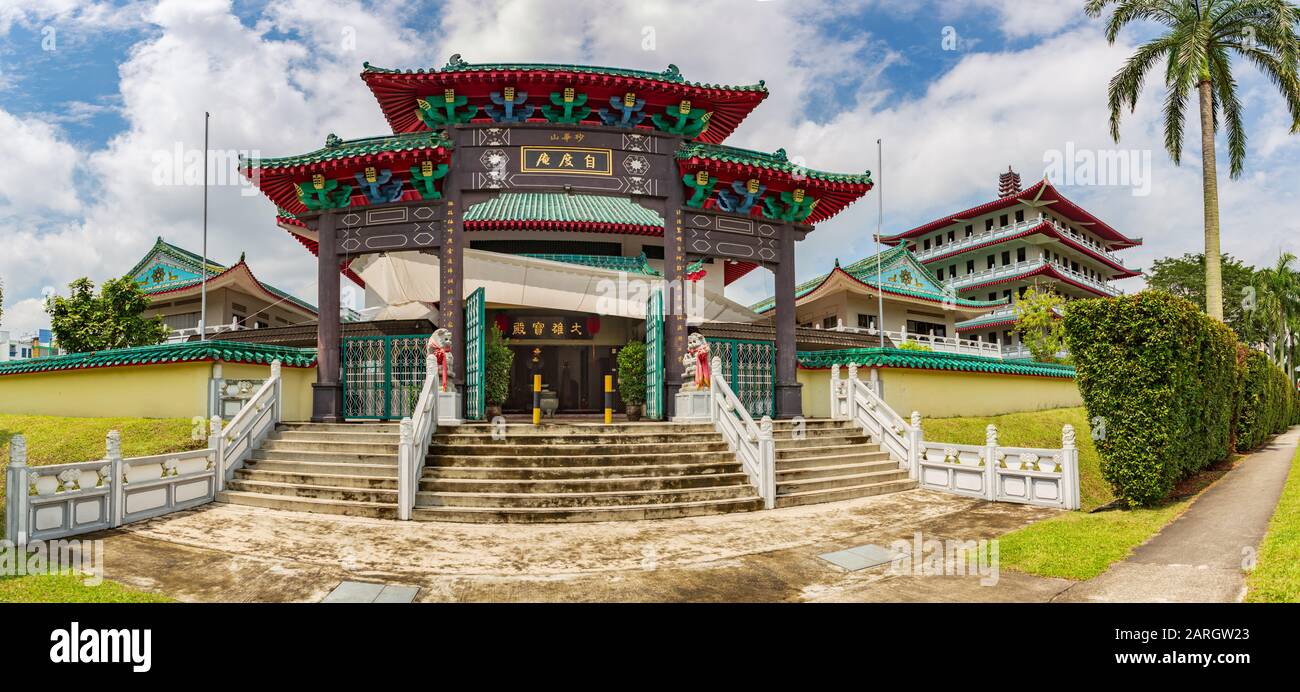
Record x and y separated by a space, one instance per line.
475 357
750 368
654 357
382 375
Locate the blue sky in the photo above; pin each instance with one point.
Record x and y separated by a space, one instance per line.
128 80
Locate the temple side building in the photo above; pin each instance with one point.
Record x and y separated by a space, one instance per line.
1024 237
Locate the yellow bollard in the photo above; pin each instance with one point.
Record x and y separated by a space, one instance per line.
609 399
537 399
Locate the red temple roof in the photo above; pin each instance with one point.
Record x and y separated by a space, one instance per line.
398 90
1042 191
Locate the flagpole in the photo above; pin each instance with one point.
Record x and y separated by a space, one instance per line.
880 224
203 270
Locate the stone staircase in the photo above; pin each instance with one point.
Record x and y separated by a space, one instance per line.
330 468
556 472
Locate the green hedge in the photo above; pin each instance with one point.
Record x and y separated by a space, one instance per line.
1161 379
1268 401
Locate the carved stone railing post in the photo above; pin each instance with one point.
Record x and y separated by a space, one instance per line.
16 529
915 443
715 367
767 462
279 388
406 448
836 392
1070 468
218 447
116 474
991 461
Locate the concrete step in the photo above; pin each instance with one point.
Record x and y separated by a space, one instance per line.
372 510
784 444
832 467
845 493
523 473
574 486
330 457
826 450
593 428
295 436
319 492
569 459
575 439
798 485
273 444
580 499
336 480
341 427
522 515
580 449
311 467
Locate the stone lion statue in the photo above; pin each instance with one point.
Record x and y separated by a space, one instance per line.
696 373
439 347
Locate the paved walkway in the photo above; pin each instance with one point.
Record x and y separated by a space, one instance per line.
1200 556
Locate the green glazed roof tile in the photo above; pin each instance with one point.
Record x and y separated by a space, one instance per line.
225 351
631 265
558 206
368 146
671 75
776 161
928 360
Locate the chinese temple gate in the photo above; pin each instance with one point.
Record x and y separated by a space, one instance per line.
524 146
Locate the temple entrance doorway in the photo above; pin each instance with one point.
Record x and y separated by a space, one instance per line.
572 376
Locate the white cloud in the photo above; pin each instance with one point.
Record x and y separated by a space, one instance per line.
37 174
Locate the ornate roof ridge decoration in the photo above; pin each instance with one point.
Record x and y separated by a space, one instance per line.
864 272
336 149
632 265
1030 195
671 75
929 360
241 264
183 257
773 161
185 352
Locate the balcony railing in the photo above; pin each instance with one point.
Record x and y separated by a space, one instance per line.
943 344
1009 270
1010 230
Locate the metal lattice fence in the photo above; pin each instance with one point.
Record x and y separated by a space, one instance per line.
750 368
382 375
654 357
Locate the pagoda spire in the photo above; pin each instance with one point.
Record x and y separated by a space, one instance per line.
1008 183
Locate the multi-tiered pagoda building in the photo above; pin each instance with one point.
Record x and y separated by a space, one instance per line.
1025 237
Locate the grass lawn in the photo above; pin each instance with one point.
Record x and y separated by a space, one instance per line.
68 588
1033 429
1079 545
1276 577
57 440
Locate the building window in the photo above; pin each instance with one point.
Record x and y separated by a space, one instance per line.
927 243
970 266
938 240
1002 220
239 320
1020 254
940 275
952 235
993 295
952 270
993 337
970 230
829 322
866 321
806 325
988 224
1021 292
992 261
260 324
928 328
1006 295
1006 257
1074 266
238 308
1020 215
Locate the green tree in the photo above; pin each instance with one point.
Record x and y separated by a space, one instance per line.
113 318
1038 320
1197 48
1185 277
1275 304
500 359
631 373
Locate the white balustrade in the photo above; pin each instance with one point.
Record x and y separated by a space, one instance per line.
416 433
942 344
1043 477
752 442
977 239
60 500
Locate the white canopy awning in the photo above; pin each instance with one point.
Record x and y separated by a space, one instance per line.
408 283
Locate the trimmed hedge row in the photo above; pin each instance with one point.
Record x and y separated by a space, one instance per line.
1169 391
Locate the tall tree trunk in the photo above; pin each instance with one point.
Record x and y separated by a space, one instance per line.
1210 186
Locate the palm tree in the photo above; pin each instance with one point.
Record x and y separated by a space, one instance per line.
1278 302
1202 37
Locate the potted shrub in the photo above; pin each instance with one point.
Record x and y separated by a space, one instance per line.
499 360
631 378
